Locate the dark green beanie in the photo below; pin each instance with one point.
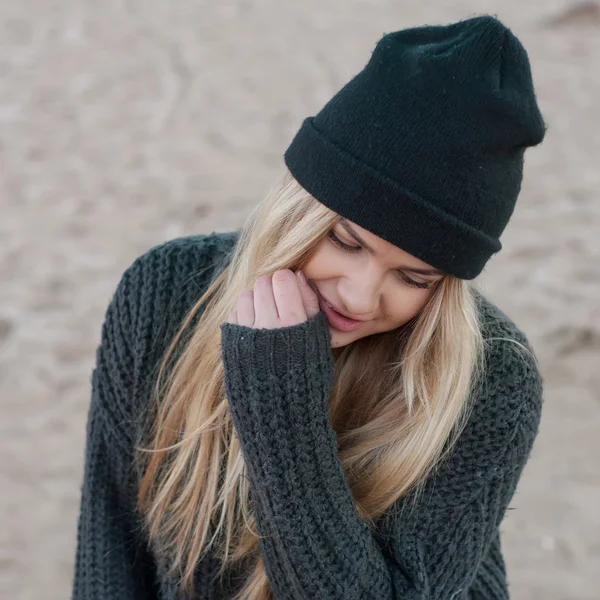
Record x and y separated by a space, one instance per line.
425 146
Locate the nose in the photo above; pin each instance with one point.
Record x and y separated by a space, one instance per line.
360 296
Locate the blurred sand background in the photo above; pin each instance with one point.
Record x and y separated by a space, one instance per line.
125 123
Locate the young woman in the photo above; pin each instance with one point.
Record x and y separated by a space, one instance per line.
323 406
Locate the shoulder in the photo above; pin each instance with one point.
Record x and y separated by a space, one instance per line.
495 322
167 278
512 386
173 261
505 411
152 297
509 354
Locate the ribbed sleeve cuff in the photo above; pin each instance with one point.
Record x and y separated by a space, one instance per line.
258 353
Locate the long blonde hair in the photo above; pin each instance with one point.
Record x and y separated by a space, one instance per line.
399 401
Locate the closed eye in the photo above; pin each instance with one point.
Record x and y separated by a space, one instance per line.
405 278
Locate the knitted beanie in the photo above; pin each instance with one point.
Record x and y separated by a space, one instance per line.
425 146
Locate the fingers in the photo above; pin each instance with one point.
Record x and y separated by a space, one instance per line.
245 308
309 298
280 300
265 307
288 298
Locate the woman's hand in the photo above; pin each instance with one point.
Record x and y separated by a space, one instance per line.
282 300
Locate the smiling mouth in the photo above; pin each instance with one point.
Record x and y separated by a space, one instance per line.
337 311
336 319
340 313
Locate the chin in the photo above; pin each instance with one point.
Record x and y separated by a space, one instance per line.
342 338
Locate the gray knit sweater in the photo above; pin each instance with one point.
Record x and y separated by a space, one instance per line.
315 545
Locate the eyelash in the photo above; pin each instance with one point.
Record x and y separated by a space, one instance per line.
346 248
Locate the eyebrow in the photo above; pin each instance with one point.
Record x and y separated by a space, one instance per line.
344 223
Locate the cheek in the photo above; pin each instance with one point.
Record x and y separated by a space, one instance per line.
407 305
319 264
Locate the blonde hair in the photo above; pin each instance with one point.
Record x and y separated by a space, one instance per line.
399 402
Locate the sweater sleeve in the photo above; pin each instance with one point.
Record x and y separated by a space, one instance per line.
314 543
111 561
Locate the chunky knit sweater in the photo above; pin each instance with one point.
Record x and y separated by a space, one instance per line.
314 543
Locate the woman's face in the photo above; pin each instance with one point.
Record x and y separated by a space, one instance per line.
370 280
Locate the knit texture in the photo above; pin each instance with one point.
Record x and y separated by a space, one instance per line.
315 545
425 146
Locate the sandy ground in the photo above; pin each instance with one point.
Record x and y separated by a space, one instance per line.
127 123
